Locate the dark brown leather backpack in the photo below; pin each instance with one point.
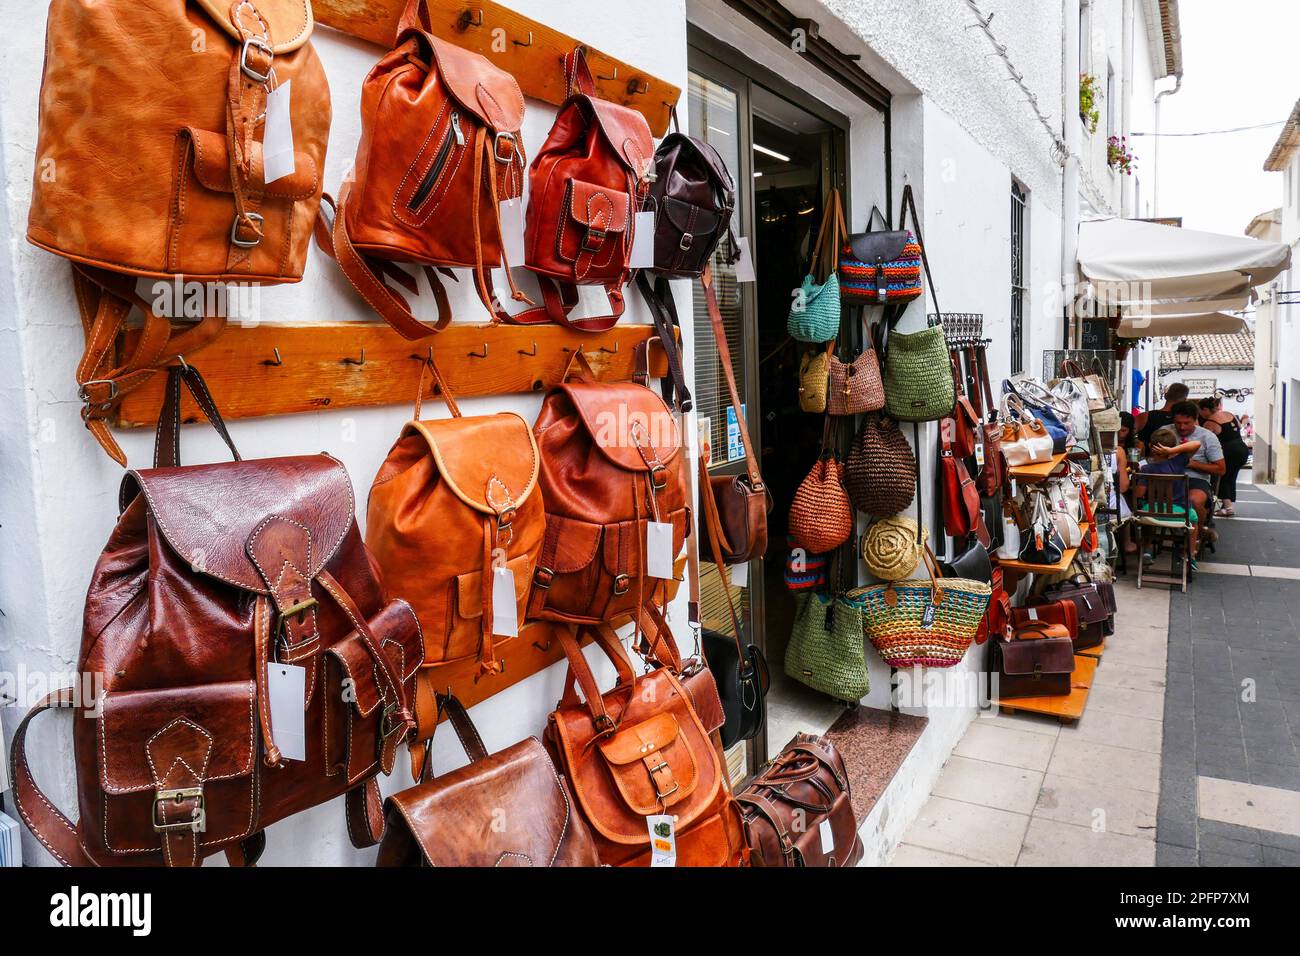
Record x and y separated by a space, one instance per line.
215 576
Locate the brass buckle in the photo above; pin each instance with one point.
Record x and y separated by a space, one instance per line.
247 70
622 584
234 231
386 724
599 236
299 609
197 824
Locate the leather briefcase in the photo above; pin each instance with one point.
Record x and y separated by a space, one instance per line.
505 809
798 811
217 580
1088 600
1037 661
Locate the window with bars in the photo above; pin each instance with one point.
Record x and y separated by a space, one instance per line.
1019 198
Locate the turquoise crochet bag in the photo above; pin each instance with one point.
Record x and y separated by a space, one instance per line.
815 312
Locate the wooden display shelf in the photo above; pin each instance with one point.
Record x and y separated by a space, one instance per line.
1093 652
1023 567
320 366
529 50
1037 471
1066 707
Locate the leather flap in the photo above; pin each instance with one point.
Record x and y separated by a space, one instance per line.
707 154
490 93
469 587
211 159
625 130
625 542
507 810
398 631
1049 655
576 542
489 461
359 667
211 726
632 744
873 247
288 22
689 218
625 419
599 207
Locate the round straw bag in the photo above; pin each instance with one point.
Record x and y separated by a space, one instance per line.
891 548
922 621
881 471
821 518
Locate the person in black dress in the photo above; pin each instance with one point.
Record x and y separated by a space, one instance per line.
1235 451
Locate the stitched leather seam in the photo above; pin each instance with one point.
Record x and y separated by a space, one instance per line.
431 154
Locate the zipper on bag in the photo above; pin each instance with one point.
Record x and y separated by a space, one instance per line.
455 137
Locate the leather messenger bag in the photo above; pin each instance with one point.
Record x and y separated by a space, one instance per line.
150 162
218 580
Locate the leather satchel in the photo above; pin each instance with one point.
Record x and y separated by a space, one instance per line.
440 149
992 472
505 809
454 503
640 750
216 579
1092 606
586 185
1037 661
150 163
1043 611
798 810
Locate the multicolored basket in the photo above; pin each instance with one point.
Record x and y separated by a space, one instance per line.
918 621
900 278
804 571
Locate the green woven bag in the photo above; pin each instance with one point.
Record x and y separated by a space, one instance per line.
827 650
815 312
918 376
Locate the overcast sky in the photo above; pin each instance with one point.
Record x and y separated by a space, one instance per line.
1241 66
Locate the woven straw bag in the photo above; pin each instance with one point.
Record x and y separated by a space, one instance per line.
923 621
855 387
881 470
821 518
826 649
918 376
814 375
891 548
815 314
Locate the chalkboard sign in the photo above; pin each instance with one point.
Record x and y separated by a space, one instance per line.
1096 335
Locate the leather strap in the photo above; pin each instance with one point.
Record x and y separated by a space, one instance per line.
440 388
363 807
830 237
466 732
559 298
909 206
713 527
724 357
247 852
580 672
663 309
167 439
577 75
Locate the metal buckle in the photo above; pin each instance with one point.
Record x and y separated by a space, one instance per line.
386 724
662 795
112 391
659 476
514 147
197 824
543 577
247 70
599 235
299 609
622 584
234 231
686 242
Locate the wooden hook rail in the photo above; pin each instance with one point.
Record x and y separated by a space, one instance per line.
533 52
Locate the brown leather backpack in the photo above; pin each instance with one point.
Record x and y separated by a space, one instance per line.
440 148
586 185
215 576
149 162
455 499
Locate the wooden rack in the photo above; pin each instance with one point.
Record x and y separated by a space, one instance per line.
531 51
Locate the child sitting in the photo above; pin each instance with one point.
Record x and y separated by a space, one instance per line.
1168 456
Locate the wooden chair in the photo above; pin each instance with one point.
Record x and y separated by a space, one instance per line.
1160 518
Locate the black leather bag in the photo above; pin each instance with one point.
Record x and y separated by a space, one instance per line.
1041 543
973 564
740 671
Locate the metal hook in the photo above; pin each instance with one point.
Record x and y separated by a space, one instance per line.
278 361
521 43
184 366
614 77
637 87
481 355
426 359
613 351
533 352
470 18
352 361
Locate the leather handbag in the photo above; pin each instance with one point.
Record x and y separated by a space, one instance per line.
1052 411
1037 661
741 501
962 513
880 473
997 620
219 582
440 145
815 312
814 378
640 751
586 185
826 650
1045 611
1084 594
610 463
1025 440
821 517
974 564
1041 542
881 267
992 467
799 808
150 162
505 809
453 508
855 387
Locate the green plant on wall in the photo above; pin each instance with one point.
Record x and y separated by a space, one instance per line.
1089 94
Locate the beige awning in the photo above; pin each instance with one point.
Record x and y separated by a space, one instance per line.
1206 323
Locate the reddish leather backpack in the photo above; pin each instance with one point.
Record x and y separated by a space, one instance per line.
440 148
586 185
215 577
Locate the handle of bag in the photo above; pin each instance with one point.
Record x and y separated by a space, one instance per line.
167 439
466 732
876 214
713 528
440 389
663 309
577 75
909 206
724 357
580 674
829 237
579 367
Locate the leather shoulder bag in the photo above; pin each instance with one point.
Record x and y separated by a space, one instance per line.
798 809
1024 440
992 472
505 809
440 149
218 580
586 185
454 504
150 162
1036 661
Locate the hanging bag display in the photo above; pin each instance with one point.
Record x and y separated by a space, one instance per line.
815 312
821 517
881 267
826 649
504 809
814 378
224 589
880 474
151 161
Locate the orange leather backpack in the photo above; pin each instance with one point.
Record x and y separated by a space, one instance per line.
455 499
150 162
586 185
440 148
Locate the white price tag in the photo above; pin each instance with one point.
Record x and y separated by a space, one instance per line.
745 265
663 839
740 575
643 242
505 611
287 686
278 158
1033 613
828 837
659 549
979 455
512 231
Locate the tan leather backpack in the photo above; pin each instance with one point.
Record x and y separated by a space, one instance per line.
149 163
456 498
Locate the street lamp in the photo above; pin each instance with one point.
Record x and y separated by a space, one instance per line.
1184 354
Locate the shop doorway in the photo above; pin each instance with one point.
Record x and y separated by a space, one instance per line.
785 152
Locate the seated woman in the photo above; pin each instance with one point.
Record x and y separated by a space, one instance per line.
1168 456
